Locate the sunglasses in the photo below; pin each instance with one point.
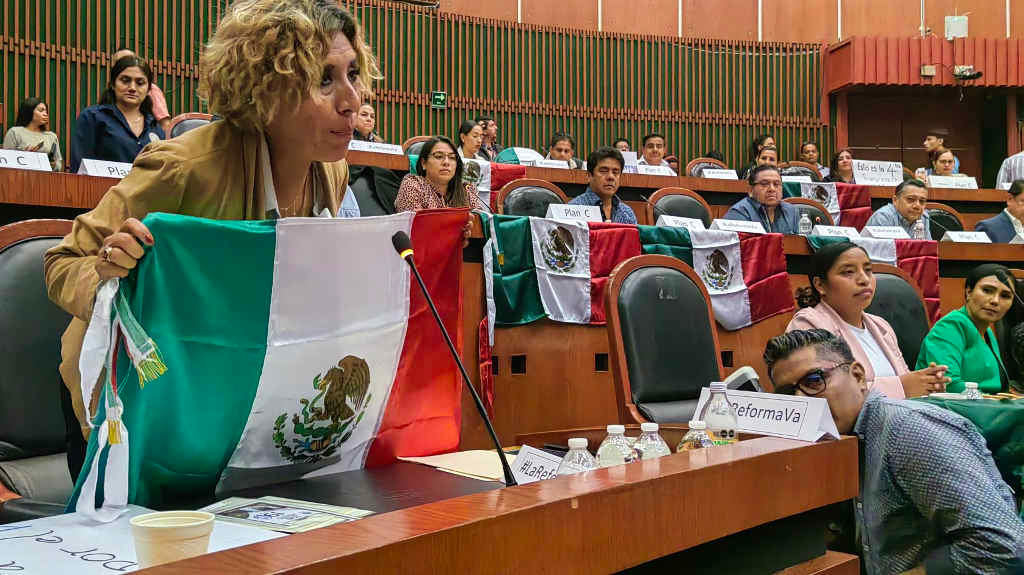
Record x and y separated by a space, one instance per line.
812 383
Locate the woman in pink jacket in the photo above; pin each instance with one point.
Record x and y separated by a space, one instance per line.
842 287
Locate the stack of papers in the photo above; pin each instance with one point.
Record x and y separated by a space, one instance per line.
280 514
479 464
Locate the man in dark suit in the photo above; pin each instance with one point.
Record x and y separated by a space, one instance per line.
1007 224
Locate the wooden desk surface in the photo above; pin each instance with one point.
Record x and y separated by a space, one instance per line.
650 509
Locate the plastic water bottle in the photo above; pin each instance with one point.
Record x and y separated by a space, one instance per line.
805 226
917 230
577 459
650 445
615 449
719 416
970 391
696 438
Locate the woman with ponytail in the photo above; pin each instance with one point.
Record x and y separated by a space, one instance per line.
842 287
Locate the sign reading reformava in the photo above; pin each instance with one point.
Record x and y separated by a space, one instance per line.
790 416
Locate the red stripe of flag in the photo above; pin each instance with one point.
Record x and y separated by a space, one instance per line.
764 272
610 244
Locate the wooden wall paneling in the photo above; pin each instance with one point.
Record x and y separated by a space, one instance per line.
987 18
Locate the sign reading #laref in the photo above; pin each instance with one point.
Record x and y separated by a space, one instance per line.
872 173
789 416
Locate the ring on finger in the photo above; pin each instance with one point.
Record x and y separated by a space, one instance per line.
106 253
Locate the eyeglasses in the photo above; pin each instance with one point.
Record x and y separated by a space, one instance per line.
441 156
769 184
813 383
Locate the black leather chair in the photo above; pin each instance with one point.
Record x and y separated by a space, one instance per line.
529 197
679 202
898 300
32 430
814 210
413 145
942 219
664 345
695 167
799 169
184 122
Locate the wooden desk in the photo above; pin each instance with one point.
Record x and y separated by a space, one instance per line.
650 509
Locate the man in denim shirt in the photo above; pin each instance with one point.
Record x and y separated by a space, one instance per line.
931 499
764 203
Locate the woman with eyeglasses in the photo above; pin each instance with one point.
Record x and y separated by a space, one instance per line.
437 182
842 287
964 340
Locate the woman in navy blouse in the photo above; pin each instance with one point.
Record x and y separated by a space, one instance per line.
122 124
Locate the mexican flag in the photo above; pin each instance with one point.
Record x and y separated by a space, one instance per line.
558 269
919 258
854 202
269 351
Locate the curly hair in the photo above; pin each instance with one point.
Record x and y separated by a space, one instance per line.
268 54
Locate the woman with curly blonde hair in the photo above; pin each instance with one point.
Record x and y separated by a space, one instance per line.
287 77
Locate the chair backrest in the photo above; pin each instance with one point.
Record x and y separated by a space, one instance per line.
1010 334
662 336
190 121
678 202
796 168
697 166
529 197
31 420
412 146
898 300
943 218
814 210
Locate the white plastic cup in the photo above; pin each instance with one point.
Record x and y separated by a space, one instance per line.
168 536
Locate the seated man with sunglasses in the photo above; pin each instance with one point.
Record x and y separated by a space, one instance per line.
931 499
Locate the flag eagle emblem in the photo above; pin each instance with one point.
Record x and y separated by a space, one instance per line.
559 249
717 272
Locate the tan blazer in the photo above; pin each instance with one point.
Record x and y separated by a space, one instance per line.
824 317
210 172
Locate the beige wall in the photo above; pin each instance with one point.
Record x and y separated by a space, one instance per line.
782 20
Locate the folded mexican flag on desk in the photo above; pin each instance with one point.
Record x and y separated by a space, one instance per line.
288 348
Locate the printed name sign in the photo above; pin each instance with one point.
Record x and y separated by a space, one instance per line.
956 182
71 543
654 170
379 147
1017 239
800 179
629 158
789 416
870 173
104 168
967 237
839 231
680 222
719 174
573 212
558 164
36 161
885 233
738 226
533 464
1004 186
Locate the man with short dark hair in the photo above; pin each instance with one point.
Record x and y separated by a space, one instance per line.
605 167
764 203
563 147
653 150
622 144
936 138
931 498
908 206
1008 223
489 143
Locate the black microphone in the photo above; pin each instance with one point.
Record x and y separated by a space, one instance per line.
657 210
403 245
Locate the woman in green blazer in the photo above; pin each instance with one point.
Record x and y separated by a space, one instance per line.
964 340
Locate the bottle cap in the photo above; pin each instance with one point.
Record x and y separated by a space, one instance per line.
616 429
971 385
648 427
697 424
717 386
577 443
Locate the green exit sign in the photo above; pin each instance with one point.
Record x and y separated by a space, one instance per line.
439 100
